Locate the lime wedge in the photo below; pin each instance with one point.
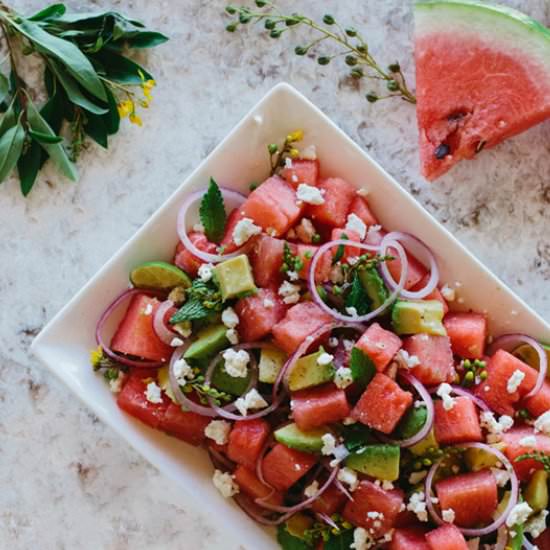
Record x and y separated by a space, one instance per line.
528 355
159 275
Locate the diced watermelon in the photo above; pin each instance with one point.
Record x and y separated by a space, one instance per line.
435 356
185 260
468 332
246 441
524 468
360 207
283 467
368 497
338 195
266 259
472 496
416 272
494 392
272 206
233 219
543 541
306 252
382 404
132 400
250 485
459 424
320 405
185 425
300 321
446 537
255 318
135 334
301 171
409 539
380 345
349 251
330 502
540 402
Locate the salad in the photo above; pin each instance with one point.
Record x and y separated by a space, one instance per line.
323 366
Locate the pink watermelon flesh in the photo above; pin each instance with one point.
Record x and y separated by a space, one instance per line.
482 76
446 537
457 425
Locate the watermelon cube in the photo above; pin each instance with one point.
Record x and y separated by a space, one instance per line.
408 539
185 425
382 404
135 334
283 467
468 332
259 313
319 405
246 441
338 195
306 252
272 206
524 468
369 497
266 259
360 207
457 425
435 294
300 321
380 345
301 171
330 502
472 496
233 219
185 260
540 402
250 485
435 356
416 272
446 537
542 542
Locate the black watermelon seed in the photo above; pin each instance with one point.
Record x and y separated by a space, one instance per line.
441 151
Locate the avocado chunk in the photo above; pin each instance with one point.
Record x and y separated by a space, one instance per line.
536 493
424 445
309 442
229 384
412 422
307 372
374 287
416 316
271 362
298 524
235 277
209 341
478 459
379 461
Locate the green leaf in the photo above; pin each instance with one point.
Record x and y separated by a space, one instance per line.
288 541
212 213
357 297
8 120
96 129
96 18
356 436
4 87
340 250
192 310
516 542
51 12
362 368
146 39
342 541
11 145
28 167
111 118
121 69
45 138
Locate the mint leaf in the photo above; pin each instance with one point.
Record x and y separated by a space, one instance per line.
356 436
357 297
341 541
340 250
212 213
362 368
288 541
192 310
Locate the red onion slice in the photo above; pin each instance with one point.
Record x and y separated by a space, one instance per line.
527 544
312 286
508 342
326 519
500 519
161 330
136 363
235 197
249 508
397 236
220 461
459 390
340 486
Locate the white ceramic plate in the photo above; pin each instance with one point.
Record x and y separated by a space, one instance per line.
241 158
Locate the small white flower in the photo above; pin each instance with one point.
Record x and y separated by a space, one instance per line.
514 381
229 318
244 230
252 400
235 362
343 378
357 225
218 430
448 515
225 483
205 272
153 393
312 489
444 391
325 359
309 194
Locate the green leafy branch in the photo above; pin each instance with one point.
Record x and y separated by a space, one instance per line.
539 456
90 85
203 299
351 45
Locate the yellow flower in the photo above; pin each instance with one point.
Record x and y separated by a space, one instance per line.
136 119
147 86
125 108
96 355
297 135
294 153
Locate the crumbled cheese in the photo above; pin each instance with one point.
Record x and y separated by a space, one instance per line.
183 371
309 153
252 400
501 476
309 194
244 230
205 272
148 309
289 292
375 515
153 393
272 232
405 360
361 539
348 421
268 304
448 515
332 342
175 342
448 293
329 444
356 224
353 260
325 359
362 192
444 391
417 477
232 336
312 489
519 514
292 275
198 227
417 505
537 524
218 430
225 483
419 403
340 453
514 381
343 378
336 274
351 311
349 478
115 385
348 344
387 485
235 362
288 162
305 230
528 441
229 318
542 423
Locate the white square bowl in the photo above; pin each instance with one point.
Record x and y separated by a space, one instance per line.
64 344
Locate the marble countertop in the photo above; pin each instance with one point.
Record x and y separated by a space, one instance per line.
67 480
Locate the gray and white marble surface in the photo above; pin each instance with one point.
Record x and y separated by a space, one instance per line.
66 480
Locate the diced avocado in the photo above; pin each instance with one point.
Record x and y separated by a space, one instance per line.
424 445
412 422
209 341
163 378
271 362
291 436
536 493
379 461
235 277
416 316
298 524
308 372
229 384
374 287
478 459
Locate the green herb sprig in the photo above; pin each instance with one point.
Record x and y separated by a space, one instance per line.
89 81
204 391
291 262
203 300
212 213
539 456
351 45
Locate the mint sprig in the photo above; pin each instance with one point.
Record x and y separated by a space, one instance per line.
212 213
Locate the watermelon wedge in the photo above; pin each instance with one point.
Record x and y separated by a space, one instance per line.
482 76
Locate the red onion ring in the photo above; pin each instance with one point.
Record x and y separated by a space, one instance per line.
182 227
323 517
527 543
500 519
136 363
508 342
260 462
220 461
246 505
340 486
161 330
423 432
398 236
312 286
459 390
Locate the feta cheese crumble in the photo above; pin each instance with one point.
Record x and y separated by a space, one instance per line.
289 292
235 362
329 444
514 381
148 309
444 391
417 505
351 311
309 153
268 304
519 514
325 359
542 423
537 524
448 293
361 539
183 371
312 489
348 421
244 230
175 342
115 385
343 378
152 393
501 476
292 275
405 360
205 272
252 400
225 483
349 478
309 194
218 430
494 427
448 515
229 318
232 336
528 441
356 224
